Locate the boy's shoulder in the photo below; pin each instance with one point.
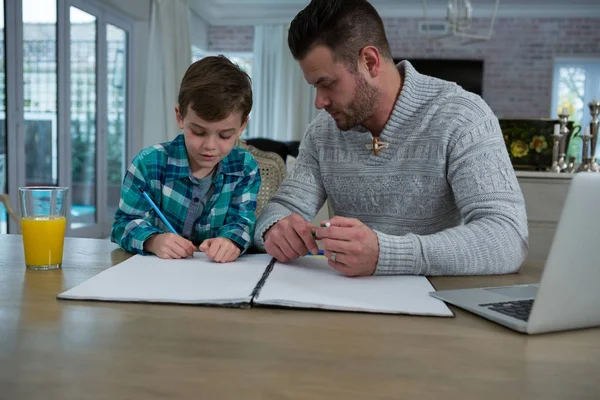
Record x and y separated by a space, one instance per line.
239 161
161 151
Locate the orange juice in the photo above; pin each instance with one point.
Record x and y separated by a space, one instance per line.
43 239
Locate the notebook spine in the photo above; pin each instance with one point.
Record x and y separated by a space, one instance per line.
262 280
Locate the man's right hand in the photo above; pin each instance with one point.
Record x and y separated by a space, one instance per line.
290 238
169 245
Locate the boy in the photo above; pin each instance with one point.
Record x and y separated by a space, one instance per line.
205 187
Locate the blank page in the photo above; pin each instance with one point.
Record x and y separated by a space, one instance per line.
191 280
309 282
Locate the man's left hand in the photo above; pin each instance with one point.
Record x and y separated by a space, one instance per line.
353 245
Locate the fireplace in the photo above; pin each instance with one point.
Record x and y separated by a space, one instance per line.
466 73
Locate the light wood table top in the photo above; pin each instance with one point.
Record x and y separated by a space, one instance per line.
54 349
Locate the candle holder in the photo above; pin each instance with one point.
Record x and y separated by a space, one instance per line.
555 151
570 165
594 106
586 160
563 118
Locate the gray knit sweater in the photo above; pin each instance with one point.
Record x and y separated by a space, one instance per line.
443 198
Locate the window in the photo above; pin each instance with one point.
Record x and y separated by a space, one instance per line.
71 88
3 145
576 83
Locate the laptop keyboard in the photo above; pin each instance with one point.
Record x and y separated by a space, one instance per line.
518 309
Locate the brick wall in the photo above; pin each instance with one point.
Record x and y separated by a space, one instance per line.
518 60
230 38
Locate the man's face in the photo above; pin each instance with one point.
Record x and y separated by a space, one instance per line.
207 143
346 96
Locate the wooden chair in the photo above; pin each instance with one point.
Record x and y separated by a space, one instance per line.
11 213
272 173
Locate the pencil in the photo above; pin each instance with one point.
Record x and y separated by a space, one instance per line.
158 212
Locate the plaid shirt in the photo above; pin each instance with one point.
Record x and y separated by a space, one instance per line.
163 172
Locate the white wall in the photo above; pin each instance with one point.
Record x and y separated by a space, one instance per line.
198 31
136 9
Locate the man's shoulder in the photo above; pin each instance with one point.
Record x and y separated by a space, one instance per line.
322 123
323 128
455 99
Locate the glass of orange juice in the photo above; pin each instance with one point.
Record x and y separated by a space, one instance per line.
43 224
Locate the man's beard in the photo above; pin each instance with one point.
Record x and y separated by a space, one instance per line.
361 106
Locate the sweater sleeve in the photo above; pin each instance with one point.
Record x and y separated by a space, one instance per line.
494 236
301 192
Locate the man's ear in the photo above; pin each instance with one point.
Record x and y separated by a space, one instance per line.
178 117
371 58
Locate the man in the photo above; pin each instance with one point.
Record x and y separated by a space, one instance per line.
415 168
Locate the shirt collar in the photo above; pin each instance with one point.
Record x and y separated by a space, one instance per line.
178 165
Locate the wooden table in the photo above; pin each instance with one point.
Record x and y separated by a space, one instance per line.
51 349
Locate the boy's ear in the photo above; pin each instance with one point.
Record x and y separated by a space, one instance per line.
178 117
243 125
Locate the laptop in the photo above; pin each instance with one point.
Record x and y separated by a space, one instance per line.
568 295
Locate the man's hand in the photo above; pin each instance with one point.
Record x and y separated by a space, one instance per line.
355 245
220 249
169 245
290 238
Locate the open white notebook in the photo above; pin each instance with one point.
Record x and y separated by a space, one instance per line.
255 279
191 281
310 283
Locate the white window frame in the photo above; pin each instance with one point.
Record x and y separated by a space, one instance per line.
15 162
592 86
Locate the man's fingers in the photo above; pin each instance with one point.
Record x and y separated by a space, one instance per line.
343 222
337 233
297 243
342 268
304 232
341 246
274 251
286 248
290 238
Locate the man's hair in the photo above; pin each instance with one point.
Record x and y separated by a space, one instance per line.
344 26
215 88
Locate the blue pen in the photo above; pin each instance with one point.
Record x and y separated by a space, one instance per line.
160 214
320 253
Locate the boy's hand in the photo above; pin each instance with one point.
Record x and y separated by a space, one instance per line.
169 245
220 250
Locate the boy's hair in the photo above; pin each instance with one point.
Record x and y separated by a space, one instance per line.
344 26
215 88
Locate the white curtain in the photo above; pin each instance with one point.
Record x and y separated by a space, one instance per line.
283 101
169 55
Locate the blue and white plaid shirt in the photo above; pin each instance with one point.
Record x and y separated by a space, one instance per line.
163 172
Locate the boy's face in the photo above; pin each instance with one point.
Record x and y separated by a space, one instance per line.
207 143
